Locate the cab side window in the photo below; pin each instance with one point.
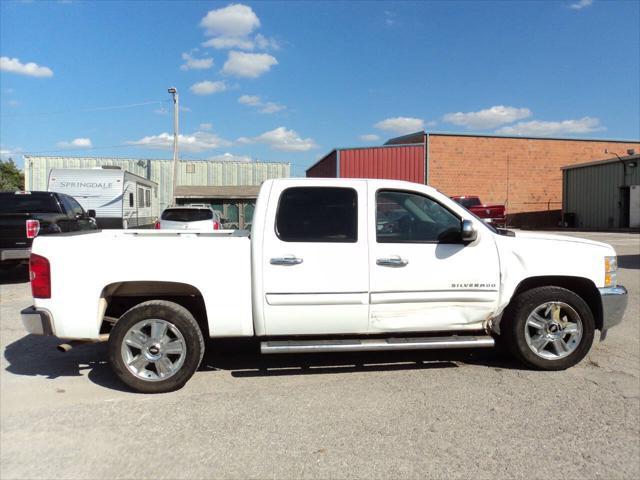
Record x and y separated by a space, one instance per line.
318 214
75 206
406 217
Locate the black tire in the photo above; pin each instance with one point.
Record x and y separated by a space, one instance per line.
513 325
180 318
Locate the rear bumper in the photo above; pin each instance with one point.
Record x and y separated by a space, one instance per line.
37 321
614 303
15 254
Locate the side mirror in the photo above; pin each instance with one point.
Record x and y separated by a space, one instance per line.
91 213
468 231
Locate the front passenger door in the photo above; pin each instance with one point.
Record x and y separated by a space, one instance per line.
423 277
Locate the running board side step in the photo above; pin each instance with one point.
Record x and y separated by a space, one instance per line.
378 344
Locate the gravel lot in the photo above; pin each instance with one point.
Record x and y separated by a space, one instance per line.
453 414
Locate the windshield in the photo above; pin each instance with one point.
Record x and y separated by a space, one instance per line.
469 202
187 214
28 203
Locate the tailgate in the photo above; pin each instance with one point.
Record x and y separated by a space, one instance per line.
13 231
488 211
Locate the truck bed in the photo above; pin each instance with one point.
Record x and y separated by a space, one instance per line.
216 263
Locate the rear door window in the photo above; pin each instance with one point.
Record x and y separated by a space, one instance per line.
318 214
187 214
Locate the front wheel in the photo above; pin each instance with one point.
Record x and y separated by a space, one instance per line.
548 328
156 347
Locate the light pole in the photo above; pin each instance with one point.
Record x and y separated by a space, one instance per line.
174 93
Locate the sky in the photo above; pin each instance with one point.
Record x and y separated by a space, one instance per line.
290 81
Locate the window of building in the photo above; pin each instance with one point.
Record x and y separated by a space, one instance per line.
318 214
147 198
403 217
131 199
140 197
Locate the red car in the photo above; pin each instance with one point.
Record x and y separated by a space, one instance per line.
493 214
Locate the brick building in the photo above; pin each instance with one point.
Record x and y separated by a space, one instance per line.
523 173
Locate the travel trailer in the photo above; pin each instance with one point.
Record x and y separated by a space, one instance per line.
120 198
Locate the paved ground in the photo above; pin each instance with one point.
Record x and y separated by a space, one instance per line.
468 414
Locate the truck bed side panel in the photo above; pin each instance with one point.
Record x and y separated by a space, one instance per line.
82 266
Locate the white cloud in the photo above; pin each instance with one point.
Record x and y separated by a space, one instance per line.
76 143
253 100
401 125
7 152
233 27
192 63
263 107
14 65
282 139
222 43
195 142
265 43
235 20
369 137
207 87
538 128
206 126
272 107
390 18
249 65
580 4
230 157
489 118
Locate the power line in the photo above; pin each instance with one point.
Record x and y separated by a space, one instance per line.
85 110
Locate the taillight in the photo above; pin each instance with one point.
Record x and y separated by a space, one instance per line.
33 227
216 225
156 226
40 276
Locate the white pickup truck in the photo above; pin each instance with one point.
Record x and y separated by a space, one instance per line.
330 265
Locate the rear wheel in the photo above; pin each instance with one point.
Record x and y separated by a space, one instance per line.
156 347
549 328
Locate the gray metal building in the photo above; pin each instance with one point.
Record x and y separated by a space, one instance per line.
602 194
226 182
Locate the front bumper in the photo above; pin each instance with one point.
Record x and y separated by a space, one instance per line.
37 321
614 303
15 254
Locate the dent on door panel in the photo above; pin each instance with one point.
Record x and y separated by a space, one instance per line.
455 315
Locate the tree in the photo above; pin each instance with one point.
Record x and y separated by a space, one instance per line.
11 178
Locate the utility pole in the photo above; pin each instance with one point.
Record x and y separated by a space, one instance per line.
174 93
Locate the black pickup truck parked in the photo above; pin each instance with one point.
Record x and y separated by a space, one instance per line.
24 215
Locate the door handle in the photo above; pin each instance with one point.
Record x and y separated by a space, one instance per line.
395 261
286 260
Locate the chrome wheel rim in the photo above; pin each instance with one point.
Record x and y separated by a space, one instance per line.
553 330
153 350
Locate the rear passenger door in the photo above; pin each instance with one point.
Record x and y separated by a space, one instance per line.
315 262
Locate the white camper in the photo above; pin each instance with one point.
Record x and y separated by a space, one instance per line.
120 198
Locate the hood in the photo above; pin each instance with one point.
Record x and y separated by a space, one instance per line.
560 238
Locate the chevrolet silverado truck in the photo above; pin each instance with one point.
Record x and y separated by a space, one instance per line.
493 214
318 274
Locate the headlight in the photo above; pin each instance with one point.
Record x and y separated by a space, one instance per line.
610 271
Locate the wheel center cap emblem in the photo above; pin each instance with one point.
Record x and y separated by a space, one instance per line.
553 328
154 350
